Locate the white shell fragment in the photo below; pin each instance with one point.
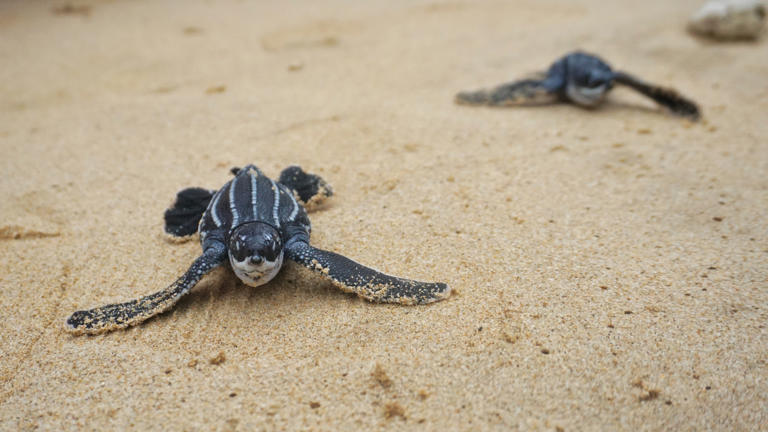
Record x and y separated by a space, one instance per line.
729 19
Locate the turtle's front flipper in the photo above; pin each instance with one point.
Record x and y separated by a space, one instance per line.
524 92
116 316
311 189
182 219
365 282
666 97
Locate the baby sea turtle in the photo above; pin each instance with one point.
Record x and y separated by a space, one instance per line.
255 222
581 78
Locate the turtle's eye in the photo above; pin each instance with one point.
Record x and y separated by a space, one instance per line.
595 82
266 248
596 78
239 249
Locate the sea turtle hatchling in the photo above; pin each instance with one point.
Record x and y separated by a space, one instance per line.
581 78
255 222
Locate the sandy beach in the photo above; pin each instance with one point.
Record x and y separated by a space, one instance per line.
609 267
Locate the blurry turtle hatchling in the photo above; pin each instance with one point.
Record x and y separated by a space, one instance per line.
581 78
254 223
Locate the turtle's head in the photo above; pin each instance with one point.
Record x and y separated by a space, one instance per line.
255 252
589 81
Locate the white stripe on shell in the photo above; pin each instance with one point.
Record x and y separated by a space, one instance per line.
276 206
214 213
295 210
232 207
254 197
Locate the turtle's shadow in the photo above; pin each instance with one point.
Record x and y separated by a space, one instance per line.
709 41
288 288
606 107
616 106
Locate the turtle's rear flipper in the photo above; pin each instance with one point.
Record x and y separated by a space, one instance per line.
666 97
182 219
524 92
366 282
311 189
116 316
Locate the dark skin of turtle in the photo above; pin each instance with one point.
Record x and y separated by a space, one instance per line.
253 223
582 79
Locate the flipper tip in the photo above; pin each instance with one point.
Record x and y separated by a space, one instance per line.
426 293
442 292
74 325
82 322
471 98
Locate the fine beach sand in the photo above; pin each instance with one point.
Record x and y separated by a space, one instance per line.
609 267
